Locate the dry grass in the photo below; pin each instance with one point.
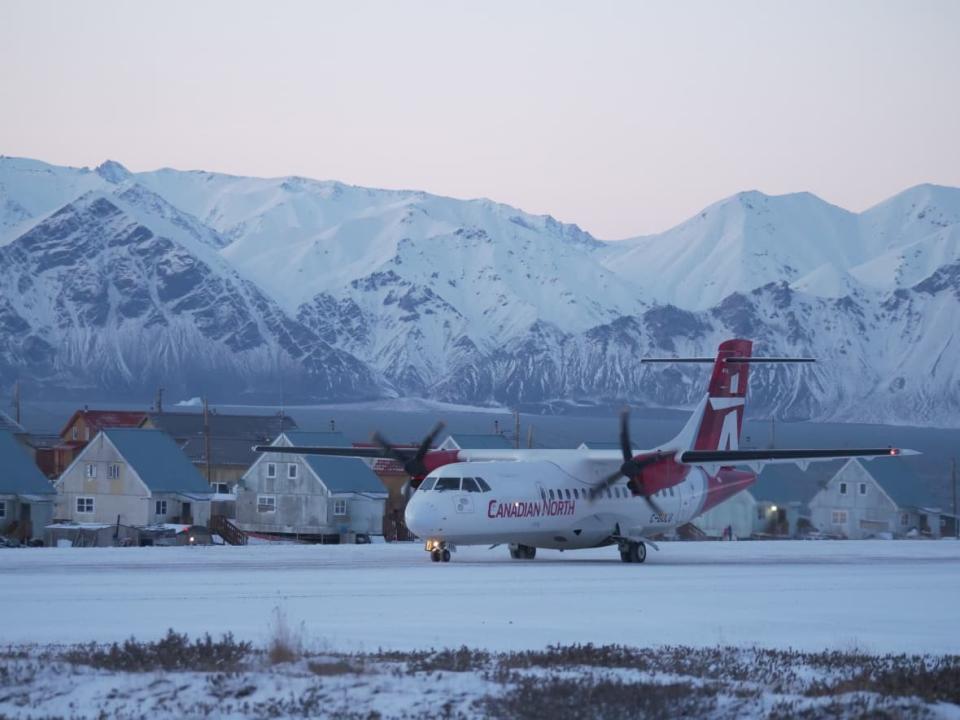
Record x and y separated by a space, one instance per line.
285 644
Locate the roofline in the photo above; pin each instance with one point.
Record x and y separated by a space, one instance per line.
84 452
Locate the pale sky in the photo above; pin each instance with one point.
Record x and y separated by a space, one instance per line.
623 117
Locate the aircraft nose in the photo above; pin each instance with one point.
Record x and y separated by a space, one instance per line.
422 518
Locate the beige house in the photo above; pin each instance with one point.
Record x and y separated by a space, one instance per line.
135 478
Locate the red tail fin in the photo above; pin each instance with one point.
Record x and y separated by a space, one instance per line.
723 413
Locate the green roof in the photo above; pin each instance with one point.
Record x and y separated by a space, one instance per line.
345 475
157 459
19 475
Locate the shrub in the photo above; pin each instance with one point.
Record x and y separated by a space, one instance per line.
172 652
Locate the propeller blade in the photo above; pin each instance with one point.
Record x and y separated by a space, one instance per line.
428 440
625 447
388 448
604 484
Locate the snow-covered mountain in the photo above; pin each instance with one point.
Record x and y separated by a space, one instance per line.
314 290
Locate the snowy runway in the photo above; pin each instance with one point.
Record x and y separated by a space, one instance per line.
875 596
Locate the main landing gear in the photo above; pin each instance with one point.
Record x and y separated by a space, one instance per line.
632 552
522 552
439 552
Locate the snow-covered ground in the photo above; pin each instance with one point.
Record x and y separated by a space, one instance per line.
872 596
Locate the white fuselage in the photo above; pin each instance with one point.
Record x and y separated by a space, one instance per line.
545 503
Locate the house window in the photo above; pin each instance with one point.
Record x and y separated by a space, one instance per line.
292 471
161 508
113 471
271 470
862 488
904 519
85 505
839 517
843 488
340 507
3 508
91 470
221 488
266 503
75 433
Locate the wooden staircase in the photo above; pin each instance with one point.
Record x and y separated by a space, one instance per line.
230 533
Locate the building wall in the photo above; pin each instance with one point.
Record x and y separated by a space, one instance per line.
301 503
737 512
303 506
866 515
125 496
41 513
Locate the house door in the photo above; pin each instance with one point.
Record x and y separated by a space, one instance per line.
186 515
24 512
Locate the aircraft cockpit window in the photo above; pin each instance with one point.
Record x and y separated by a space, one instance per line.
483 485
543 494
427 484
448 483
608 493
470 485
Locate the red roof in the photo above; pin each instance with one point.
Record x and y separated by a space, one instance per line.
100 419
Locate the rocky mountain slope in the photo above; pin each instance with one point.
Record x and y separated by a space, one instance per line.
306 290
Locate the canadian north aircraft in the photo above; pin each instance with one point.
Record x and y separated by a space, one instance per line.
572 499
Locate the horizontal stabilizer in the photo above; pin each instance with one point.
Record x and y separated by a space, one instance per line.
729 360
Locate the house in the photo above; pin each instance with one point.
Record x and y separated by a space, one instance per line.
230 439
83 425
26 496
466 441
397 483
134 478
317 497
884 499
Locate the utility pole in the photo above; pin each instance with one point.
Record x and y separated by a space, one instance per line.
953 475
333 426
16 401
159 402
206 436
516 429
773 432
530 437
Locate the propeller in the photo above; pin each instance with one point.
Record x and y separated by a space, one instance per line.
631 469
412 465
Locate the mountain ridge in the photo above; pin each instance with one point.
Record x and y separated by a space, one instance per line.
318 290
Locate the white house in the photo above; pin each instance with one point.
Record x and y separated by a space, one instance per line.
880 499
135 478
313 496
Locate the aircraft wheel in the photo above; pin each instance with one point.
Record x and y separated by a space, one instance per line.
445 555
635 552
435 555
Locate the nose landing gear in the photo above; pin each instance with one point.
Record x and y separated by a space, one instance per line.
632 552
439 551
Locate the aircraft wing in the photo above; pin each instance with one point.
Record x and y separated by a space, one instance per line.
758 458
334 451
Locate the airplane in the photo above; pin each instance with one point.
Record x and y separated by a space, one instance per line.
574 499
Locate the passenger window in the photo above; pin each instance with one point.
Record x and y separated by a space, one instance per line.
567 491
608 493
428 484
543 494
671 492
470 486
551 493
483 485
448 483
576 494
